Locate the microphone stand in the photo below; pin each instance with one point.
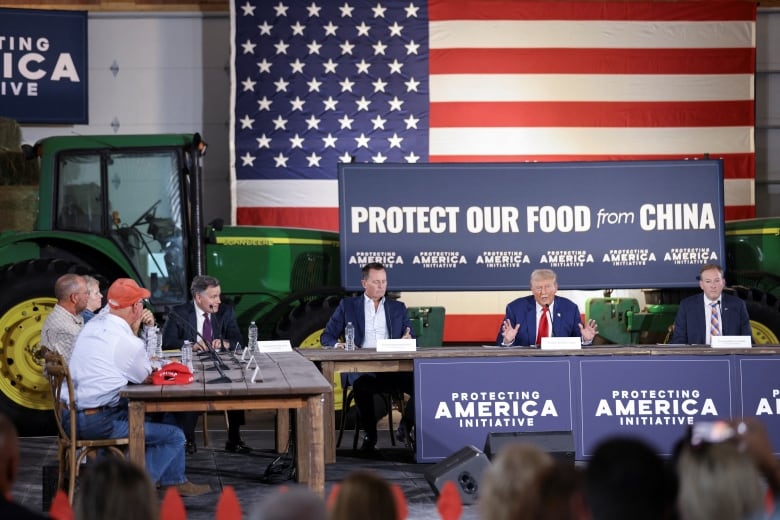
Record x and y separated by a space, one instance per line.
218 363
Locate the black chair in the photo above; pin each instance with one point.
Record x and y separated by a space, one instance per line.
348 399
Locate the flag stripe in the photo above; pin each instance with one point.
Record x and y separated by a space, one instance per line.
599 34
579 113
595 88
491 142
589 61
541 10
313 218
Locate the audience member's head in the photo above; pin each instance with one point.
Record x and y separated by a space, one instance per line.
511 486
115 489
625 478
717 480
9 455
363 495
561 494
296 503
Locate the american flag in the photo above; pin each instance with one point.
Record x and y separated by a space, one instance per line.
316 82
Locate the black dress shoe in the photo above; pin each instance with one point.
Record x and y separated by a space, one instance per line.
237 447
369 445
191 448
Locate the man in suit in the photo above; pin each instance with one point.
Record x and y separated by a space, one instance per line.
375 317
205 319
543 314
701 316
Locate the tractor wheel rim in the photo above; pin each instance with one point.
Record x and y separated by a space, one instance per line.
21 363
763 335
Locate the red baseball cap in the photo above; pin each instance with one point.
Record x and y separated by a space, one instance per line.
124 292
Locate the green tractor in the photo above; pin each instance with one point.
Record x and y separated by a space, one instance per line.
131 206
751 271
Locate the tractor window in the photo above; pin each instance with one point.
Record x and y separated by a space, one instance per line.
79 202
144 198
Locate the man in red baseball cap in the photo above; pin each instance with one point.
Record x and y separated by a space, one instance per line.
108 355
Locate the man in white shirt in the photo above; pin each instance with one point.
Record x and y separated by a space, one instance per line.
108 355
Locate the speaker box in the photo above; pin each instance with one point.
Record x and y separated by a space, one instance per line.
558 444
465 468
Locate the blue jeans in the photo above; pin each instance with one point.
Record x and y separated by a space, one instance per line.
165 460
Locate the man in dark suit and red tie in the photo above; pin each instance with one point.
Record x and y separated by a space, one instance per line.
205 319
710 313
543 314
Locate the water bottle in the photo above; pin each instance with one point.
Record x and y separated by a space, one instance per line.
150 334
158 351
252 336
349 335
186 355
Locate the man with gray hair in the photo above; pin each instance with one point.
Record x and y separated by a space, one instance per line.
64 322
206 322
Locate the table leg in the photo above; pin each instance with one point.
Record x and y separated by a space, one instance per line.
310 448
282 430
329 415
137 444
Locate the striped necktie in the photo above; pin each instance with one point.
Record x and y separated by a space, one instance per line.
714 319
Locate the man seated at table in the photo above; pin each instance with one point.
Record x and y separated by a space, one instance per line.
108 355
207 322
375 317
710 313
543 314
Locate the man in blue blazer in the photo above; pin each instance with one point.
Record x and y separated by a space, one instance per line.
523 315
186 323
375 317
692 325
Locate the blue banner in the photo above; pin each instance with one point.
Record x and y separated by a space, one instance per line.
459 401
44 66
487 226
656 398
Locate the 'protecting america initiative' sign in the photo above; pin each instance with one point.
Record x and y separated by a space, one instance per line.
43 66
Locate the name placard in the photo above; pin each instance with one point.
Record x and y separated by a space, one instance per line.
567 343
731 342
396 345
277 345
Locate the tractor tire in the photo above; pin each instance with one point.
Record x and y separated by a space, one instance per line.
25 302
764 311
303 326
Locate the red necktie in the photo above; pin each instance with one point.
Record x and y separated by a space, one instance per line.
207 334
544 327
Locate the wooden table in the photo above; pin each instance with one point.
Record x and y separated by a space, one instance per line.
289 381
330 361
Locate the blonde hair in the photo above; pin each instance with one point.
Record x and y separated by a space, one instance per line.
717 481
511 487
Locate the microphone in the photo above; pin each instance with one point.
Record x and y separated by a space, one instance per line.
218 363
549 318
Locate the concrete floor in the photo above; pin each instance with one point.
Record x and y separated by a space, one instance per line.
245 472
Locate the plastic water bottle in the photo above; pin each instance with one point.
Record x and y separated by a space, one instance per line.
252 336
150 335
186 355
349 335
